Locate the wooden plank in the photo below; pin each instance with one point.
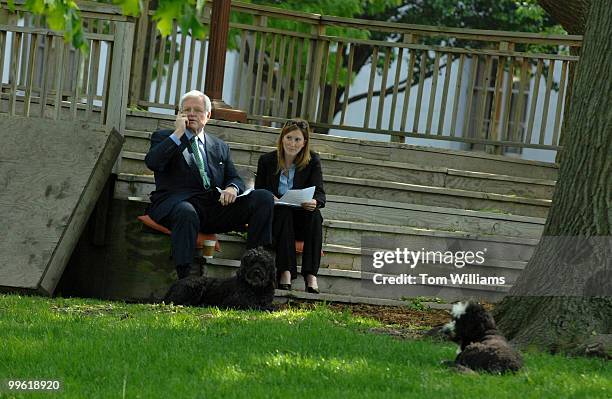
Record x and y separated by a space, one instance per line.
181 65
288 74
457 95
308 78
30 77
470 94
396 83
459 33
13 71
314 71
171 63
449 65
238 81
494 113
273 31
296 80
77 85
201 68
268 102
23 60
323 79
484 89
279 76
160 68
534 100
139 55
55 197
549 81
373 64
432 92
334 90
92 86
408 89
189 79
3 43
383 88
120 78
59 79
106 84
518 115
560 103
347 83
250 71
149 80
45 75
503 135
260 64
417 111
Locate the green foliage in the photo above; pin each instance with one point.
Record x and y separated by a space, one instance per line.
61 15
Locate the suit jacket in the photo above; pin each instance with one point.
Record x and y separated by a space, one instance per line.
177 177
312 175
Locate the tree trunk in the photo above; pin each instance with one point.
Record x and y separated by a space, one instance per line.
571 14
564 294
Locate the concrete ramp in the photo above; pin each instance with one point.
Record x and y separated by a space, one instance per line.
51 175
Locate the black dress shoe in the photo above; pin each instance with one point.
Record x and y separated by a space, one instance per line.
285 287
312 290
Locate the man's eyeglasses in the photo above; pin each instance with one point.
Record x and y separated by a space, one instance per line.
197 111
301 124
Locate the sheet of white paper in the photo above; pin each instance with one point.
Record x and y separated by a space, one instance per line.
245 193
296 197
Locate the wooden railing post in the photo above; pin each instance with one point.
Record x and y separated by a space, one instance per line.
138 66
312 94
496 133
408 38
215 67
119 79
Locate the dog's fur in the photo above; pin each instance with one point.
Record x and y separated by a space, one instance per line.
251 288
482 347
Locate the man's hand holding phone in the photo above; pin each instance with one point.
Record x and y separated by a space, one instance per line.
180 124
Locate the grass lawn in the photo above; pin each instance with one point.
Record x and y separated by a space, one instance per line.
112 350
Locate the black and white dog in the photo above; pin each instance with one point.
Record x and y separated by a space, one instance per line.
251 288
482 347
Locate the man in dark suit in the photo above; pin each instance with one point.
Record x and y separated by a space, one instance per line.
189 165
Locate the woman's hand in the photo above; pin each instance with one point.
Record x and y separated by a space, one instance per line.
310 205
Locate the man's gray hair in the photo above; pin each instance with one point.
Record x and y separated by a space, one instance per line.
197 94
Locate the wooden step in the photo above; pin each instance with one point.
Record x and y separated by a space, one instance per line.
358 284
498 247
455 159
369 189
388 212
344 257
401 172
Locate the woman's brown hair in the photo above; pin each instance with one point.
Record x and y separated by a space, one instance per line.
303 157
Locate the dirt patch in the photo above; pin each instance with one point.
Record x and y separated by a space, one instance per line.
399 322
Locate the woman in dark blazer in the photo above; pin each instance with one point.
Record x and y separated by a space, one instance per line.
294 166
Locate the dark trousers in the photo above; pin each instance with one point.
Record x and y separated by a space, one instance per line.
205 214
292 224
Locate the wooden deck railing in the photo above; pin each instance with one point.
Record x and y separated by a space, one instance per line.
463 85
467 85
48 78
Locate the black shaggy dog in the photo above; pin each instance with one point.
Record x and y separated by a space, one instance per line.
482 347
251 288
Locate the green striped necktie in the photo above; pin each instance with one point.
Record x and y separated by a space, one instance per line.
199 161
